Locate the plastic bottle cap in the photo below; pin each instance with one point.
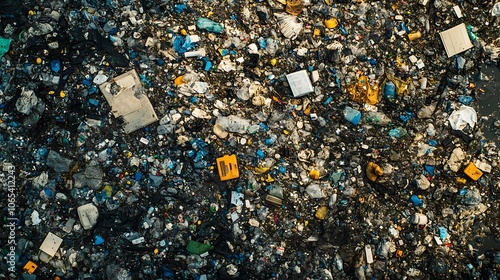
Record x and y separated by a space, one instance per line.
183 32
314 174
62 94
38 60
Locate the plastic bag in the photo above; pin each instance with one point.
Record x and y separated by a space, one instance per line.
315 191
208 25
463 116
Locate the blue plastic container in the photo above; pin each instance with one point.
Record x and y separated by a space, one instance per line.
352 115
390 90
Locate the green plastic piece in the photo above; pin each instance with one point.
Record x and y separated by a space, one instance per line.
198 248
4 46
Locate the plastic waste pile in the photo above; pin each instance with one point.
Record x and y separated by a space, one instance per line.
249 140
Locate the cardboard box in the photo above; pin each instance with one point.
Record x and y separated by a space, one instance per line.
456 40
127 98
49 247
300 84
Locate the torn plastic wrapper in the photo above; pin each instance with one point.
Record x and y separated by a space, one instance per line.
198 248
209 25
373 171
463 116
289 25
402 86
363 92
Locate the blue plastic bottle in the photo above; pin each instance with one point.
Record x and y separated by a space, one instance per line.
389 90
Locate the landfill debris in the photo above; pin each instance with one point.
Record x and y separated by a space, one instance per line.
473 172
129 101
373 171
198 248
419 219
4 46
88 215
456 40
300 83
352 115
249 140
30 267
321 212
49 247
228 167
363 92
463 116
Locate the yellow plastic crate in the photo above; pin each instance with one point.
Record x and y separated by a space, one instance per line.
473 172
30 267
228 167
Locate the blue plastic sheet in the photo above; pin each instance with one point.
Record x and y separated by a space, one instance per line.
179 8
465 99
433 143
94 102
398 132
41 153
406 116
443 233
182 45
208 65
208 25
262 43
